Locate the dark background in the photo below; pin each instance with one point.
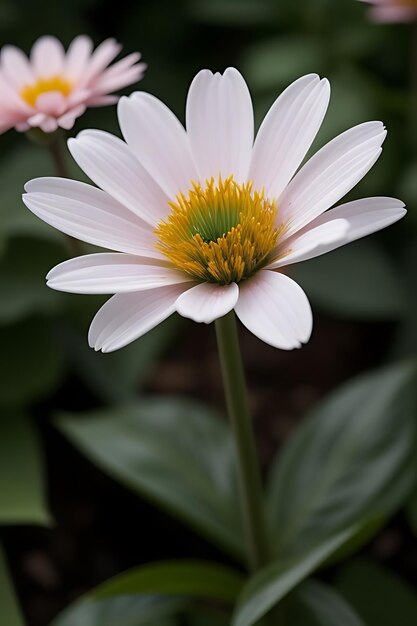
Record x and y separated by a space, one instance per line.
363 296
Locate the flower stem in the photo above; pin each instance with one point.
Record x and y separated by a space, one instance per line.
248 467
57 152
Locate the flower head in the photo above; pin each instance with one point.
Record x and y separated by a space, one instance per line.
52 88
204 220
393 10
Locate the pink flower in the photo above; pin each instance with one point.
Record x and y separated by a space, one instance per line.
52 88
393 10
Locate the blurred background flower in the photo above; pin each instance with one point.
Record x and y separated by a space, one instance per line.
393 10
52 88
66 437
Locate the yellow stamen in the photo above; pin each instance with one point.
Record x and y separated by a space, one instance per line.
30 93
219 233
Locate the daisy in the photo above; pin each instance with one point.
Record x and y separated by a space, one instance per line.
205 220
393 10
53 88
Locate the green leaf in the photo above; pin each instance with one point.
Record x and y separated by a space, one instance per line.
121 611
272 583
188 578
22 489
9 609
31 363
379 596
365 429
176 452
356 281
317 604
117 376
22 277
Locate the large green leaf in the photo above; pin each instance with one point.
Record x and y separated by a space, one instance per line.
317 604
176 452
272 583
356 281
22 489
10 614
349 461
31 363
187 578
379 596
140 610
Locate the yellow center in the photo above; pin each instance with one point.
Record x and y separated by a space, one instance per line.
220 233
30 93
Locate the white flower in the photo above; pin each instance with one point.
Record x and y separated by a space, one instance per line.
53 88
203 221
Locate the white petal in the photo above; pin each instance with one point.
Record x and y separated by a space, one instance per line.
275 309
77 57
311 242
158 140
219 119
109 163
207 301
112 273
128 316
47 56
16 67
330 174
287 133
89 214
360 217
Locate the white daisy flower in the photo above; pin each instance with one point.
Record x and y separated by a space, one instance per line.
205 220
52 88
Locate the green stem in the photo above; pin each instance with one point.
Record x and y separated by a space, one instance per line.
249 472
57 152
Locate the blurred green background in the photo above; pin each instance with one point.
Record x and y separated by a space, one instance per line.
65 525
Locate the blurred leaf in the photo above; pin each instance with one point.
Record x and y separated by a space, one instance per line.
317 486
22 497
117 376
22 164
176 452
232 12
356 281
187 578
31 364
9 609
317 604
22 279
380 597
276 62
272 583
121 611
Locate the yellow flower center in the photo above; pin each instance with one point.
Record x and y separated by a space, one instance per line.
30 93
220 233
